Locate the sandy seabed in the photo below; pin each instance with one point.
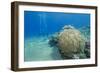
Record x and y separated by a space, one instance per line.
38 49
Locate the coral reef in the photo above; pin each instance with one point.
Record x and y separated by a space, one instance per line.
87 49
71 43
53 40
85 31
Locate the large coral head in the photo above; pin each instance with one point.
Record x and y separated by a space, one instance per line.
70 40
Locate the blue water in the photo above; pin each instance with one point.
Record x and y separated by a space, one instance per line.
39 26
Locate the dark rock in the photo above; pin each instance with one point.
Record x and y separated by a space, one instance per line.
87 52
53 41
87 45
87 49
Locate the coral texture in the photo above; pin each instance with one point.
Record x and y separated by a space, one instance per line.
71 42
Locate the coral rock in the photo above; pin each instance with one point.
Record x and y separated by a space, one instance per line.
70 41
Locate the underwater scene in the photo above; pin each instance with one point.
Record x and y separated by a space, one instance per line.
56 36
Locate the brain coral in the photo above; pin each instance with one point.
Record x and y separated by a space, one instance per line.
70 40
